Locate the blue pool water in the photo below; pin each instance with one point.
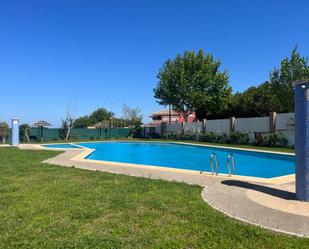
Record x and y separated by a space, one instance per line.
61 146
191 157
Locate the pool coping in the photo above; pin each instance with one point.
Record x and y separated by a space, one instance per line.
81 157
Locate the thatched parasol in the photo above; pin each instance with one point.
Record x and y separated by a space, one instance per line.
41 124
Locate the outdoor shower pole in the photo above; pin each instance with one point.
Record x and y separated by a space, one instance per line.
15 131
302 139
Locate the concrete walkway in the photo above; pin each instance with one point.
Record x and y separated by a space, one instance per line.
268 206
272 206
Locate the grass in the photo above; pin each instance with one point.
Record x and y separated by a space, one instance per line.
44 206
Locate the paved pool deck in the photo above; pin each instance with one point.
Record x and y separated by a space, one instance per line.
268 204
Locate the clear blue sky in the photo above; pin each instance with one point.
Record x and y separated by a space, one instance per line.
85 54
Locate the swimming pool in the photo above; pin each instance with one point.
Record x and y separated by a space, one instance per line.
192 157
61 146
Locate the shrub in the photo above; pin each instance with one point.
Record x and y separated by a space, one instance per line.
273 140
238 138
4 131
212 137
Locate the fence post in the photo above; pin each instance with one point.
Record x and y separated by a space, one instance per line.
232 124
272 121
204 126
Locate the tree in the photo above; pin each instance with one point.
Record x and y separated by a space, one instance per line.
82 122
98 115
24 132
292 69
193 82
255 101
66 125
132 115
274 95
4 131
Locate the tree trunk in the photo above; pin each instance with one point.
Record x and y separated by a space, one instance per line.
68 134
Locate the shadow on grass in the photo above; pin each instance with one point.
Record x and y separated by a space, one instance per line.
283 194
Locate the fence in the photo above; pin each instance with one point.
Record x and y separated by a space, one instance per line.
281 122
52 134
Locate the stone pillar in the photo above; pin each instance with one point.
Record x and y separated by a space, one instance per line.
302 139
232 124
272 121
15 131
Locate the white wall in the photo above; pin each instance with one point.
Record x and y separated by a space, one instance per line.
218 125
191 128
252 126
173 128
284 125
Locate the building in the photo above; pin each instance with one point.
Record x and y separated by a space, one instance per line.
166 115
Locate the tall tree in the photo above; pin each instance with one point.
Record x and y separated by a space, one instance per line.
294 68
193 81
255 101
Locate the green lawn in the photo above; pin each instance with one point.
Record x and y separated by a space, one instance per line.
44 206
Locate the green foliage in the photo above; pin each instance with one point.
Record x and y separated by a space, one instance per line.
82 122
277 94
64 130
101 114
294 68
4 131
212 137
272 140
24 129
238 138
193 81
255 101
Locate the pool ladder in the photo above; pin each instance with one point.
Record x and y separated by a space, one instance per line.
231 161
214 163
215 166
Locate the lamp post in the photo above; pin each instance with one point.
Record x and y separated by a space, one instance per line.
302 139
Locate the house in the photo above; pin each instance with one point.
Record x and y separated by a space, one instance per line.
172 116
164 116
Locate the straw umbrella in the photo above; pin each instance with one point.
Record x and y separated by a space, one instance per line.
41 124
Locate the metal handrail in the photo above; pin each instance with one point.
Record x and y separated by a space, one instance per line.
213 158
230 159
